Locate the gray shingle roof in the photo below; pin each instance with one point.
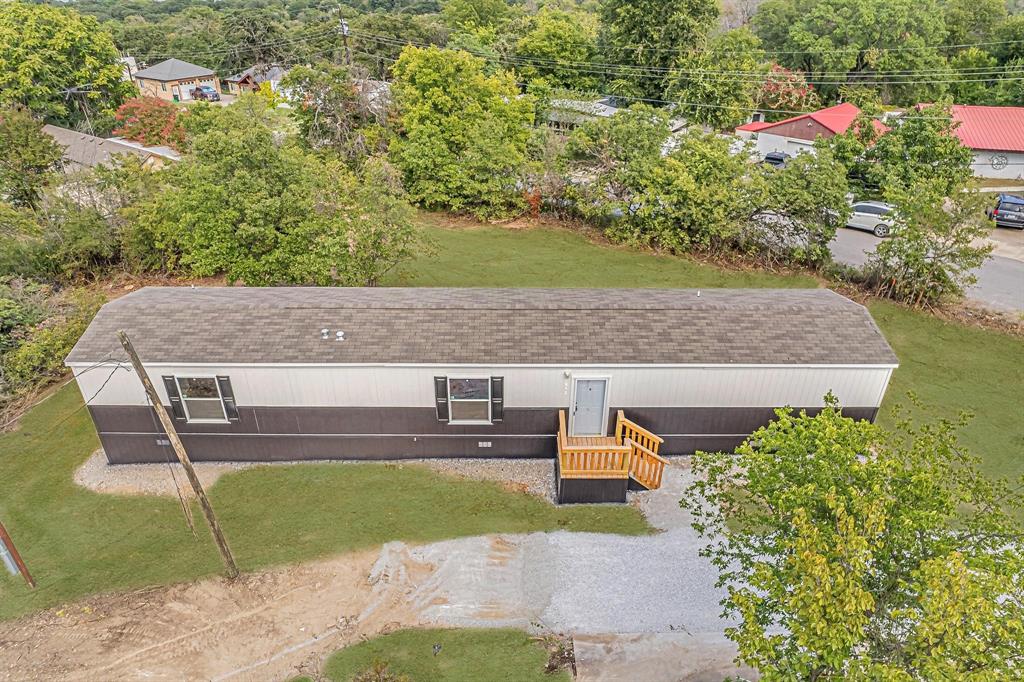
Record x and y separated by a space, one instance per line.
173 70
89 151
487 326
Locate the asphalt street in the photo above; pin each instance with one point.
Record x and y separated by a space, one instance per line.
1000 280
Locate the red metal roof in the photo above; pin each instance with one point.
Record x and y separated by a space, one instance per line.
754 126
836 119
995 128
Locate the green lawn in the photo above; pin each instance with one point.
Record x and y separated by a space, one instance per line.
77 542
467 655
487 256
949 366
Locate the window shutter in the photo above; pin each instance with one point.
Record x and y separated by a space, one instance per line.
441 398
177 409
497 398
230 409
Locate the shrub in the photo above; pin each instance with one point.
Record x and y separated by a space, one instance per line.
150 121
41 355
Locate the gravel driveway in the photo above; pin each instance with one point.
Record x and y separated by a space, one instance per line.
653 595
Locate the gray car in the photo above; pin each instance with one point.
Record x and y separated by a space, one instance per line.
874 216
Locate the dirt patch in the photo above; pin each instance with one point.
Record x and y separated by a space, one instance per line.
263 626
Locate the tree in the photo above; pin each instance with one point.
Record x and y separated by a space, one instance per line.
473 15
694 198
151 121
647 33
263 213
852 552
612 156
920 146
796 210
972 71
933 251
784 92
1009 37
257 38
334 111
44 51
971 21
837 42
463 134
717 85
29 158
560 44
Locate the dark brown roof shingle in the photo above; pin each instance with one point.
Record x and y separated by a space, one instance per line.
487 326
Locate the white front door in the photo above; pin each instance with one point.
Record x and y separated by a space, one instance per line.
588 412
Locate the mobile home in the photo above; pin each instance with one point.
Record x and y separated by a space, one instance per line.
263 374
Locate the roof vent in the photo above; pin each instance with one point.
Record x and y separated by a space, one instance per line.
325 333
339 335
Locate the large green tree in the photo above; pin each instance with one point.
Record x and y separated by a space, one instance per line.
45 51
463 134
559 46
717 85
29 158
851 552
649 34
266 213
838 41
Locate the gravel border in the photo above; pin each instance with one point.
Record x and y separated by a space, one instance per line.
532 476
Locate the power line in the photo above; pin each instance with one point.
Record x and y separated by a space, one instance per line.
906 78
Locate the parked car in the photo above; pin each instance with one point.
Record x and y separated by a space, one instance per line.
874 216
777 159
207 93
1008 211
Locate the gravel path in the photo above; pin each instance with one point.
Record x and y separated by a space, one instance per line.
586 583
533 476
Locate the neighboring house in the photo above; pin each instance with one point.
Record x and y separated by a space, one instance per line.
174 80
129 68
566 114
798 133
250 79
996 135
82 150
265 374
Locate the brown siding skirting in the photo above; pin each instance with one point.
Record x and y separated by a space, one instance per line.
131 434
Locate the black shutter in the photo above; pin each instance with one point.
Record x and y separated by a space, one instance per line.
230 409
497 398
441 398
177 409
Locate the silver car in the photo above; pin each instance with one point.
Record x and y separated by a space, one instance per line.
874 216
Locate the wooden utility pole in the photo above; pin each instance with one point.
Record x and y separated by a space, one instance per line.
5 539
179 450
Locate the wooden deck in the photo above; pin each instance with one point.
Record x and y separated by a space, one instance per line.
632 453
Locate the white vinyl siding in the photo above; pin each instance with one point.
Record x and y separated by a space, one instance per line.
413 386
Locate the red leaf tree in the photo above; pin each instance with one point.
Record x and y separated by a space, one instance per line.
150 121
787 91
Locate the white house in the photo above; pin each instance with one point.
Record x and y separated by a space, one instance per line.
996 136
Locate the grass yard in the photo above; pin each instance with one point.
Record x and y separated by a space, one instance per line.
489 256
77 542
466 655
949 366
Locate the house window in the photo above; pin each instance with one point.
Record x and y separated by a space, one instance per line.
163 86
469 399
202 399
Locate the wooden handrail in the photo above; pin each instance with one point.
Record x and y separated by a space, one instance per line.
646 466
626 429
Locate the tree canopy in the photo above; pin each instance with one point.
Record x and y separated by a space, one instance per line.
46 51
853 552
462 134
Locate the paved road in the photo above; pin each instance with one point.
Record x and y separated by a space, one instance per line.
1000 280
